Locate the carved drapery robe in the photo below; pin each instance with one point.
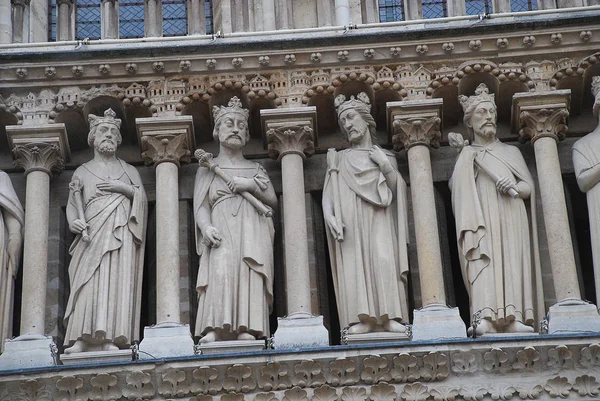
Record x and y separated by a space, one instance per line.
9 205
497 236
586 155
106 273
235 279
370 266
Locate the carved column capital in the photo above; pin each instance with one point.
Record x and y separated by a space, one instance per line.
67 2
541 115
289 131
41 148
21 3
413 123
169 139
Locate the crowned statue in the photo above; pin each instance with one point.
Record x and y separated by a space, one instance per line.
107 209
586 162
233 202
493 198
364 206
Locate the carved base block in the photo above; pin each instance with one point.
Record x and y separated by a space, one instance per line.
92 357
235 346
28 351
377 337
166 340
437 322
300 330
573 316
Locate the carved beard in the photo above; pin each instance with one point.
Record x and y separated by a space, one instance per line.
106 148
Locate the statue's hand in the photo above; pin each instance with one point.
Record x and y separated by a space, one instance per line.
77 226
115 186
211 237
380 158
334 228
242 184
13 249
504 184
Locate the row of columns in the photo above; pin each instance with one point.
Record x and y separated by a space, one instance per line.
415 125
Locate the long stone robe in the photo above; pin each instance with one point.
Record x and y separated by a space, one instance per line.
9 204
497 238
106 273
586 155
370 266
235 280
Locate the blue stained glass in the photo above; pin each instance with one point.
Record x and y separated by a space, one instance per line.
209 17
391 10
477 7
88 19
174 18
523 5
434 9
131 19
52 20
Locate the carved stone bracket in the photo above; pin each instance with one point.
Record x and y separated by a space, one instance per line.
169 139
41 148
415 123
541 115
289 131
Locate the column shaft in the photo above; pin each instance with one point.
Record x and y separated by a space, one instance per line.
167 243
562 258
19 15
296 252
110 20
35 256
38 21
268 15
426 226
5 22
342 12
63 21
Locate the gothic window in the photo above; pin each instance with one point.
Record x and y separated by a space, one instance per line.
52 20
131 19
434 9
174 17
88 19
478 7
391 10
523 5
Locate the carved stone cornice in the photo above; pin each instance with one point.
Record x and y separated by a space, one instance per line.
541 115
168 139
289 131
415 123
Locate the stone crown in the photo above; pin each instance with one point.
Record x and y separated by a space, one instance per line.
482 94
234 106
109 118
361 101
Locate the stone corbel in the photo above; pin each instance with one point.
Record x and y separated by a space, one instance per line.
169 139
40 148
415 123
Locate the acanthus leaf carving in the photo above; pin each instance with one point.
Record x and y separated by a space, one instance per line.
201 398
435 366
104 388
354 394
270 396
496 361
586 385
309 374
375 370
383 392
206 381
232 396
560 357
239 379
274 376
173 384
590 356
543 123
342 372
501 391
295 394
464 362
558 387
443 393
325 393
292 139
529 392
413 131
139 386
69 389
166 149
405 368
415 392
38 157
527 359
473 393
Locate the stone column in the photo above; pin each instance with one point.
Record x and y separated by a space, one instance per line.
415 126
110 20
63 25
541 117
342 12
19 8
38 21
196 17
222 16
6 30
153 18
40 150
289 134
456 8
167 142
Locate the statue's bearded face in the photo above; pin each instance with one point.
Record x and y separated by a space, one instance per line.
107 138
483 120
353 125
233 131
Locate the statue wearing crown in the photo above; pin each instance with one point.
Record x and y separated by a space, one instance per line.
107 209
586 162
493 198
233 202
364 206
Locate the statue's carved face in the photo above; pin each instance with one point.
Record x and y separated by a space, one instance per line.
106 138
233 131
353 125
483 120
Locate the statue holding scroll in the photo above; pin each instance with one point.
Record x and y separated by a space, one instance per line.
364 206
233 202
12 219
107 209
496 229
586 161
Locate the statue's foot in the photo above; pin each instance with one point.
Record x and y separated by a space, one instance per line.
246 336
484 327
110 346
518 327
394 327
360 328
209 337
79 346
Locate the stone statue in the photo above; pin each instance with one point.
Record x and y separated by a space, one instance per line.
12 219
497 236
107 209
364 206
234 235
586 162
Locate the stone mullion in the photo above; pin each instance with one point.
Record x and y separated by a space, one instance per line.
63 25
196 15
6 29
153 18
19 9
110 19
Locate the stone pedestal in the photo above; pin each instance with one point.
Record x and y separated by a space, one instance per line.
232 347
541 117
415 126
166 142
94 357
289 134
40 150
